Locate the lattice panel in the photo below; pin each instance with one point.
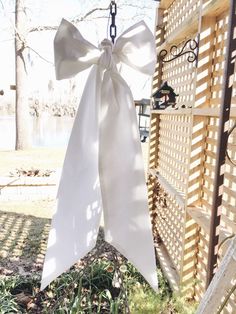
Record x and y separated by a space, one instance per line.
201 264
228 218
190 252
158 69
206 203
219 60
196 161
153 140
170 225
183 144
180 12
180 74
229 191
205 63
173 149
209 164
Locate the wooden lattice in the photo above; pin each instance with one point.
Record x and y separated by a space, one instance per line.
180 12
181 76
174 137
183 143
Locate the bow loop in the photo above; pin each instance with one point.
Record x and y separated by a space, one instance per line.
73 53
136 47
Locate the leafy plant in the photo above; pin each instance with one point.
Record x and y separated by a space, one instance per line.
103 286
8 302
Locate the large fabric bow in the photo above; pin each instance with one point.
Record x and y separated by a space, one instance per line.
103 167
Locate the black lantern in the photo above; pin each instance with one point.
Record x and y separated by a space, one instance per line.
164 97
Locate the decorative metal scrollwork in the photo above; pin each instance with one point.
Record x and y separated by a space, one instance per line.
191 46
233 162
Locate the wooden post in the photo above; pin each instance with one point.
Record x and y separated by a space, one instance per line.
222 144
220 283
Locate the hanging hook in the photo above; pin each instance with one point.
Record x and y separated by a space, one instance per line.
113 11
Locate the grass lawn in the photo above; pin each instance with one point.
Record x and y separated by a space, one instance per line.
40 158
37 158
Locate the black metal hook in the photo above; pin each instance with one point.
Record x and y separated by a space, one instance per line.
191 44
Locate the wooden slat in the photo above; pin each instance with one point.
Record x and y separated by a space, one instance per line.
231 225
167 267
173 112
230 176
209 112
202 218
215 8
176 195
164 4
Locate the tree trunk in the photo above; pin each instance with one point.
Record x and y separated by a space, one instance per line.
22 106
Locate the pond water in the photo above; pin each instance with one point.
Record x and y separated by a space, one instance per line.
46 131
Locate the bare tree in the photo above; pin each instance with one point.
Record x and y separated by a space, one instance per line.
21 31
22 108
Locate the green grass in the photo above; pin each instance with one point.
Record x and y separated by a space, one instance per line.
91 291
89 287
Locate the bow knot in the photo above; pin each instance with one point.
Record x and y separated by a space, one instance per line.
106 60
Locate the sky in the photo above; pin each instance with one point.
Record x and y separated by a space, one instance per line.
94 29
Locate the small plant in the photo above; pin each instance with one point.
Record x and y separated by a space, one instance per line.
104 282
98 289
8 299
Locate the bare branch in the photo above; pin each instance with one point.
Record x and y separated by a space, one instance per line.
43 28
16 32
80 19
74 20
136 6
44 59
6 40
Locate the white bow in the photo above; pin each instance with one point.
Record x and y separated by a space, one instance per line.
103 167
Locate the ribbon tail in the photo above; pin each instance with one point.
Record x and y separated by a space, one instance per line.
124 193
76 221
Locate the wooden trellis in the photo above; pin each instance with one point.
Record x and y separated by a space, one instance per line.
183 143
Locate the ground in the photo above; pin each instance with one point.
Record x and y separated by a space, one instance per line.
24 224
91 286
42 158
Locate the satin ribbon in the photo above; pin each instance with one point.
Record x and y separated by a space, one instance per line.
103 167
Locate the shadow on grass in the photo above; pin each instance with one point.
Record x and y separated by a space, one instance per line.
23 243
